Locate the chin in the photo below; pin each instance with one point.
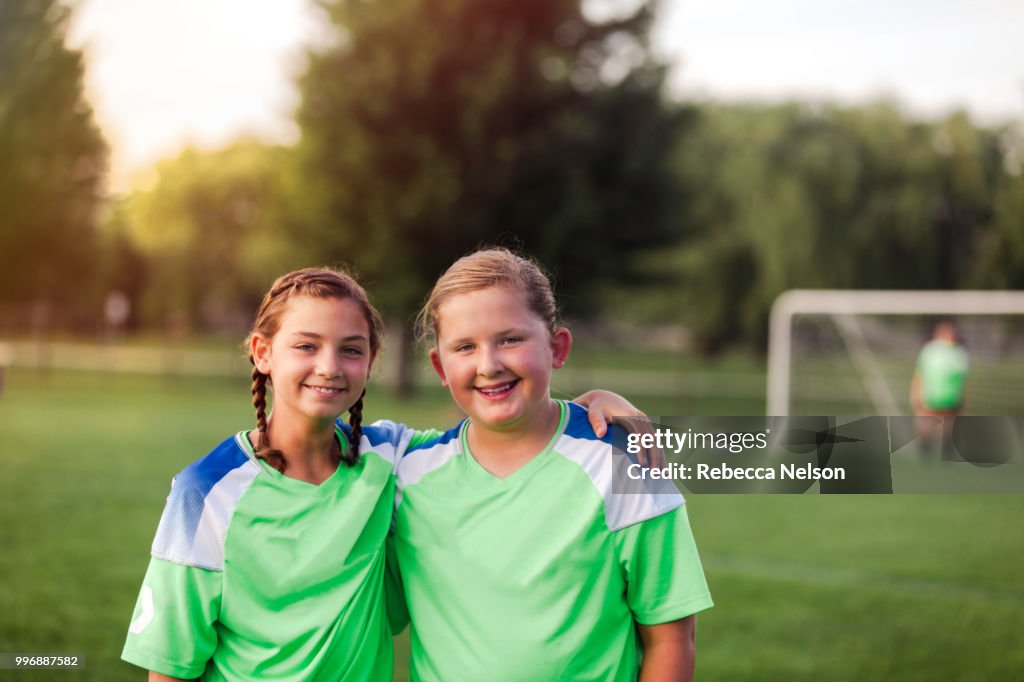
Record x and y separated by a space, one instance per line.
499 422
325 412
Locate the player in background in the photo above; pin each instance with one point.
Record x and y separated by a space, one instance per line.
519 558
939 386
269 560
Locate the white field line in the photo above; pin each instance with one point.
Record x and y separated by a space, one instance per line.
847 578
134 359
662 382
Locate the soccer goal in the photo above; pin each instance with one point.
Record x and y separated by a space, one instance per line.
853 352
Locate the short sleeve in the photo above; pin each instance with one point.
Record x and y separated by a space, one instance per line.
172 630
665 580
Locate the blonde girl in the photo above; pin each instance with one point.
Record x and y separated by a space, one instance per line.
518 558
269 560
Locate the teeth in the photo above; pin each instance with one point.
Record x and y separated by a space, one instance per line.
497 389
321 389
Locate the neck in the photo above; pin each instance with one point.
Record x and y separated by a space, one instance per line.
504 451
309 448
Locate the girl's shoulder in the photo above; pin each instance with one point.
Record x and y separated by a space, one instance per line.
428 450
203 497
391 440
231 453
610 470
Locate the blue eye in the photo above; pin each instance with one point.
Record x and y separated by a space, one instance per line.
354 352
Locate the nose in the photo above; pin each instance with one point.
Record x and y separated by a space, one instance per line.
328 364
489 362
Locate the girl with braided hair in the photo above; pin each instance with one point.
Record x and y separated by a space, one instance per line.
270 557
325 296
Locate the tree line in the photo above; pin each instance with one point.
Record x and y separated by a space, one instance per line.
518 122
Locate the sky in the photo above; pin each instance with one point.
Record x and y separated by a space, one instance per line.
162 74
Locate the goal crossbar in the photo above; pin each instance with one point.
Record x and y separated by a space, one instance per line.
865 302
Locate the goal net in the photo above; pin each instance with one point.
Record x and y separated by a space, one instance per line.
847 352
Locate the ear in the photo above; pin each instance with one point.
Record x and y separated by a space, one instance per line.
561 342
435 362
259 346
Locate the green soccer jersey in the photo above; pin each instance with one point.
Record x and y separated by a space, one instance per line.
257 576
943 369
541 575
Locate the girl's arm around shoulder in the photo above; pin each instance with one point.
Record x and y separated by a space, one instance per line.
603 406
670 651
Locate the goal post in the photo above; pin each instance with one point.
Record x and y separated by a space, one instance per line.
845 309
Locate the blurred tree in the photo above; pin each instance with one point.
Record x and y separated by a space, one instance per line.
970 172
433 126
123 266
805 195
213 229
1000 262
52 162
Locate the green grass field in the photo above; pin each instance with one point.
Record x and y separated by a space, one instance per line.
912 587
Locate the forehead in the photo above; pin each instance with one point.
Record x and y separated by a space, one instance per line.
491 309
339 317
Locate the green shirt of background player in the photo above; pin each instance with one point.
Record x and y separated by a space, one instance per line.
940 377
938 388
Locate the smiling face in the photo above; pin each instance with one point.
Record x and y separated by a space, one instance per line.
496 357
318 360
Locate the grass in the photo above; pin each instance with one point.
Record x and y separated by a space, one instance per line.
898 587
914 587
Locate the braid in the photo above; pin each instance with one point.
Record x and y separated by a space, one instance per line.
274 458
355 422
259 398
